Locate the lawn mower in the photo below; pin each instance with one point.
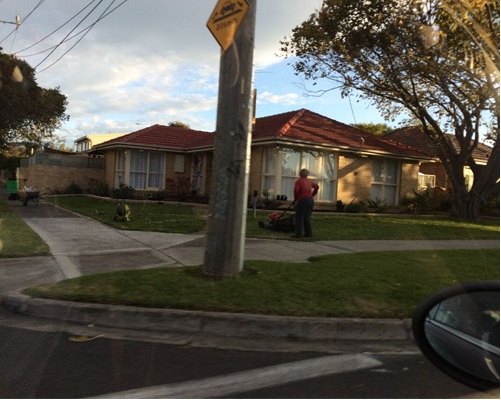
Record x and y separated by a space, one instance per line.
280 222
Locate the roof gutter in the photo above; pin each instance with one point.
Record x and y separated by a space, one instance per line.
342 149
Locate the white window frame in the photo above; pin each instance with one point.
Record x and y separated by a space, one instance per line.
387 180
124 170
276 176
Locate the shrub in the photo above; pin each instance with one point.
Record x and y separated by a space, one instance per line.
158 195
98 188
428 200
340 206
377 206
491 205
355 206
123 191
73 188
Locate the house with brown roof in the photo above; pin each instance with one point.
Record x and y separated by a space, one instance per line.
432 173
348 163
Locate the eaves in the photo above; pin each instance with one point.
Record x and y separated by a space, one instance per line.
360 151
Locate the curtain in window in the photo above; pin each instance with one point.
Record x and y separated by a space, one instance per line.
310 161
291 164
270 162
138 169
326 177
120 167
384 180
156 171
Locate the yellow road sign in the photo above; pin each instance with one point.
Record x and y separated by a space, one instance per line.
225 20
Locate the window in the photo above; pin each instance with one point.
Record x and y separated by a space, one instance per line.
156 170
322 167
291 165
426 181
141 170
384 180
121 163
179 163
327 177
269 172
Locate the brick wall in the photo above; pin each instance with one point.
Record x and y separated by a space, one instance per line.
52 179
354 178
256 169
408 179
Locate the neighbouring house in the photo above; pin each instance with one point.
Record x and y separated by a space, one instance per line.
348 163
85 143
432 173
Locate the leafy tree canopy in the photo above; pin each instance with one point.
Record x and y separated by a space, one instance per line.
435 60
28 113
375 129
179 124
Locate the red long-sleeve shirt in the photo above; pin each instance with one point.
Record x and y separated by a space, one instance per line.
304 188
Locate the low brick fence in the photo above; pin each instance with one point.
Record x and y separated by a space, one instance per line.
53 173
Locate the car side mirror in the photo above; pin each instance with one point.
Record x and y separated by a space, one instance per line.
457 329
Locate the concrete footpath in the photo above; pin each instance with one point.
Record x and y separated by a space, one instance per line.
82 246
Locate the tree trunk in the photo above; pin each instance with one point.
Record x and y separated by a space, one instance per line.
467 205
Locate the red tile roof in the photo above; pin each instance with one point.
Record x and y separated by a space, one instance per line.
161 136
294 127
415 137
309 127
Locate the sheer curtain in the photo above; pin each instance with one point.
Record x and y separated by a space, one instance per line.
156 171
384 180
138 169
291 164
327 177
269 172
121 158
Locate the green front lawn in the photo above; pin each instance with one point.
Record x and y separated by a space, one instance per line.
364 285
184 218
17 239
145 216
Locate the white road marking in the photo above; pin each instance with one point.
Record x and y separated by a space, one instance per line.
260 378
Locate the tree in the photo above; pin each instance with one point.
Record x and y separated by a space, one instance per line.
28 113
178 124
435 60
375 129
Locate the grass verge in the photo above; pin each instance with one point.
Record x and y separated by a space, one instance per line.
17 239
363 285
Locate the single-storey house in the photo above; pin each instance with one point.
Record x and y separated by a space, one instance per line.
348 163
432 173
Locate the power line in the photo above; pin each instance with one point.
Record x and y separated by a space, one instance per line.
62 41
55 30
23 20
103 15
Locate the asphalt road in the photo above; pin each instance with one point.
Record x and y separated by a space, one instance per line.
40 364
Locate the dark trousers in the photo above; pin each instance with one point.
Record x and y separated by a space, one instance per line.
304 208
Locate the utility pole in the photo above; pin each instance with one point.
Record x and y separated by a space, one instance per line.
17 22
224 253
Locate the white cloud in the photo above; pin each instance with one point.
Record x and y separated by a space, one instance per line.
287 98
150 61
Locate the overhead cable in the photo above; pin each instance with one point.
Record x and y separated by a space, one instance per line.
62 41
55 30
24 18
104 14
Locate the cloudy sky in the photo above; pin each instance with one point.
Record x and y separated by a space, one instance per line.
155 61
